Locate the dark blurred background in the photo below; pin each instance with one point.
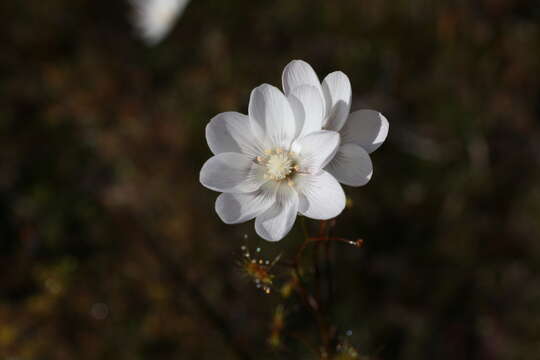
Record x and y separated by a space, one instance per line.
111 249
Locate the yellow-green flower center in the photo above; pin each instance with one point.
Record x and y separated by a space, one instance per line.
278 164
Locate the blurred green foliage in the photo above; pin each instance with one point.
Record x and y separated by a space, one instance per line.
103 138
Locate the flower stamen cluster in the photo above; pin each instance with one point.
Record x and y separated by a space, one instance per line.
279 165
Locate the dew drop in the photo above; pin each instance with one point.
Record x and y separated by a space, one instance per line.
243 247
258 249
348 332
99 311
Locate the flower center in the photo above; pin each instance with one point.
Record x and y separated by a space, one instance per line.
278 164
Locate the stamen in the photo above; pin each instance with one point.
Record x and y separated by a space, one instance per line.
279 165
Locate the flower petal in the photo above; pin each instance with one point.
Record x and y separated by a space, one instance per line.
351 165
298 73
238 208
231 172
321 196
271 117
315 150
337 93
230 132
155 18
367 128
308 108
278 220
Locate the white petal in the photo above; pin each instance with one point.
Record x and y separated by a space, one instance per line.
278 220
298 73
238 208
231 172
315 150
155 18
367 128
231 132
321 196
351 165
308 108
271 117
337 93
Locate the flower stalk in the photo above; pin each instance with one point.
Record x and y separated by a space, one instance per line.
327 332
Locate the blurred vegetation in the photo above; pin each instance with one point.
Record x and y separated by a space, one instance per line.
103 138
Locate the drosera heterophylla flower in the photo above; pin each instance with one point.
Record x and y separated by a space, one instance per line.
154 19
362 131
269 164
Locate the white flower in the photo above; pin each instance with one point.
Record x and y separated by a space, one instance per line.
269 164
362 132
155 18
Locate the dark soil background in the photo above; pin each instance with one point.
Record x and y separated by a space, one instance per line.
102 140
